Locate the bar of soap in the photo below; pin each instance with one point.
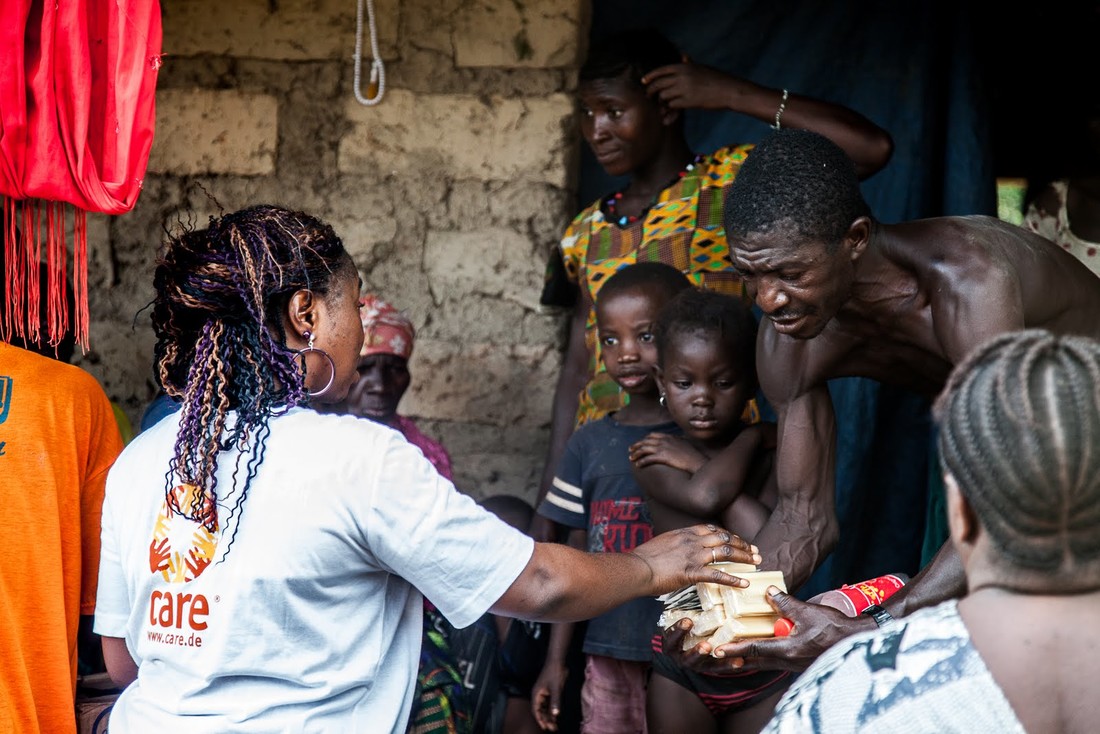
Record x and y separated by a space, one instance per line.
708 621
721 614
743 628
710 595
752 599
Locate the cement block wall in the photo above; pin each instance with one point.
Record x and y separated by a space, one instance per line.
449 194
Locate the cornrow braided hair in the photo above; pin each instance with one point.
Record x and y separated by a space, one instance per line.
1020 432
221 294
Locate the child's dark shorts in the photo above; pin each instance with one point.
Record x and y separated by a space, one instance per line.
725 694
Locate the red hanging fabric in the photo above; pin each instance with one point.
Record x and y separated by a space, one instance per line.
77 115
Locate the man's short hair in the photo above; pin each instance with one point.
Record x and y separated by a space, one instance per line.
795 179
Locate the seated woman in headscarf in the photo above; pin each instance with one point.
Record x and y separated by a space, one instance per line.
388 337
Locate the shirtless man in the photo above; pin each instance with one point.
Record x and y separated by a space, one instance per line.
846 295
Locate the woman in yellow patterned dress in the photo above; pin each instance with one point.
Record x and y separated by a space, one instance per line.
633 90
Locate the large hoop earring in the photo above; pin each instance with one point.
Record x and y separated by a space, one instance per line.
331 365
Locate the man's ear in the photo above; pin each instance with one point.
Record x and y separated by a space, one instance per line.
857 237
300 316
961 518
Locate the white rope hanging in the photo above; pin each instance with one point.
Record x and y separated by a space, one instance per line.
377 70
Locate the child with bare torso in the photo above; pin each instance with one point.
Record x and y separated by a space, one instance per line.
720 470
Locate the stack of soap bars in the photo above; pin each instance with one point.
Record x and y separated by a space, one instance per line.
721 614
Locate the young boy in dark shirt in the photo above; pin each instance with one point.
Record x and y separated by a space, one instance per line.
594 493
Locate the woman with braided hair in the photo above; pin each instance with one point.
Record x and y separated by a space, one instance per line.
262 563
1020 452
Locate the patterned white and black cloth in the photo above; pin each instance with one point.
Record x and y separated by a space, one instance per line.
917 674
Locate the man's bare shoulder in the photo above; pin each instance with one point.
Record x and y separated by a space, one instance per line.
976 256
950 242
981 275
971 243
965 257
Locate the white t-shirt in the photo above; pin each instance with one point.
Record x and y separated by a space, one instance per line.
306 618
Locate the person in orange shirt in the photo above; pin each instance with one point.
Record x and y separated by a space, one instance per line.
58 437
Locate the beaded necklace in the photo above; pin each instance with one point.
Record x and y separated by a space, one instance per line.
611 202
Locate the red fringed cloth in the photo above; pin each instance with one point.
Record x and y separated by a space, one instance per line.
77 86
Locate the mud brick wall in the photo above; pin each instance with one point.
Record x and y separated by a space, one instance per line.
449 194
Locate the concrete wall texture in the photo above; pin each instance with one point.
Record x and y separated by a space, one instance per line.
449 194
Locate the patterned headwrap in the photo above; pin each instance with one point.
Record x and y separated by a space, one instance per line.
385 329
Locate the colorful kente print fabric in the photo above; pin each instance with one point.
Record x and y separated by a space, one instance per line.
683 228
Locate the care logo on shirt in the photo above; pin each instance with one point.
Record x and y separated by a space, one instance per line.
181 548
180 551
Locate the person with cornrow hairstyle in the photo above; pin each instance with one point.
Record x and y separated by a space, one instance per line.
1019 421
1019 427
264 565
